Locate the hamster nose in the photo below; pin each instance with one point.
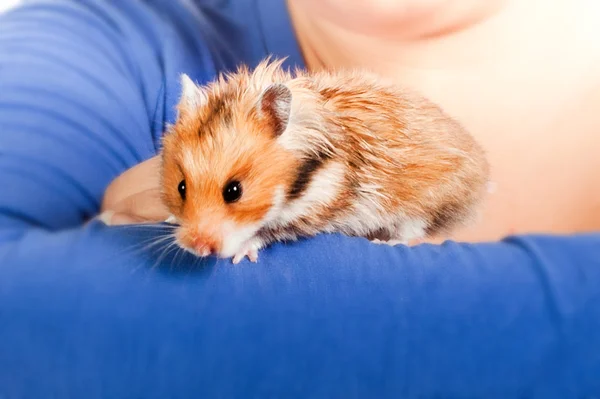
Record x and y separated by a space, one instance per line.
203 247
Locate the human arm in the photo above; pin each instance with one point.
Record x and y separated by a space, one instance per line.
327 317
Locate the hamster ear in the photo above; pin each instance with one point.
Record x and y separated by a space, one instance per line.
275 105
192 96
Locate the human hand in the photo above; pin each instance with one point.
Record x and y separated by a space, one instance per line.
134 196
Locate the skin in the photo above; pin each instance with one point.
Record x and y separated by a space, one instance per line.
523 76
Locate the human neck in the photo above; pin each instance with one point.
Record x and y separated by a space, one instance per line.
385 39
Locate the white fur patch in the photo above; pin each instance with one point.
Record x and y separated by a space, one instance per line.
368 215
278 203
323 189
234 238
413 229
191 94
192 163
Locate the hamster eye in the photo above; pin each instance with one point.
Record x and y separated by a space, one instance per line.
232 191
181 189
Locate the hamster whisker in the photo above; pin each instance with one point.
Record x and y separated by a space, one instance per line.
152 226
165 251
150 243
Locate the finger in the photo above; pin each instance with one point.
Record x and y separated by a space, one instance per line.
146 206
142 177
111 218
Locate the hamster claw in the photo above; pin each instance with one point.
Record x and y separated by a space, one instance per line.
251 252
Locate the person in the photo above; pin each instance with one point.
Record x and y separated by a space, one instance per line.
531 93
508 308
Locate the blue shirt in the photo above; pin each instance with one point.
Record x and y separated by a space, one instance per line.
88 311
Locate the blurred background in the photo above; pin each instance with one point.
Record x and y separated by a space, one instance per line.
5 4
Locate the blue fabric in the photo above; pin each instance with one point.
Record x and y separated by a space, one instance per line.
88 311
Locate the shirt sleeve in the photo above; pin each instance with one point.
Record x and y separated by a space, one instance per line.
87 88
91 311
105 312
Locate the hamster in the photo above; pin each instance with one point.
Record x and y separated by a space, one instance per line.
264 155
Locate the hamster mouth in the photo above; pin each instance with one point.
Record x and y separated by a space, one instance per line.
200 252
198 244
224 242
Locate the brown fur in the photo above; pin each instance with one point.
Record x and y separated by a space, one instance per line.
423 158
420 161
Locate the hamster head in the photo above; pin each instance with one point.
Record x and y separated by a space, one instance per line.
222 164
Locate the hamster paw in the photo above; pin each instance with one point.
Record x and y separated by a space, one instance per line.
390 242
393 243
250 250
